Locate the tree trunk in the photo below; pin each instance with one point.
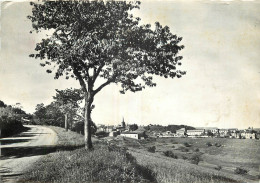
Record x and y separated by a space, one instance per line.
66 122
87 122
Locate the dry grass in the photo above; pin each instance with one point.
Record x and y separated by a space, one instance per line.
210 158
99 165
168 170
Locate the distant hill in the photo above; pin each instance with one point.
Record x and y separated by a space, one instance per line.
172 128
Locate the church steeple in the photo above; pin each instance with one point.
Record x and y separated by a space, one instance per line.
123 123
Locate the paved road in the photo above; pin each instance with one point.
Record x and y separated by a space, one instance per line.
19 152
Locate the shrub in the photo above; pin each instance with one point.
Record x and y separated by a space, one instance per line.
218 167
209 144
173 146
10 126
184 157
195 159
170 154
197 150
240 171
217 145
101 134
183 149
151 149
186 144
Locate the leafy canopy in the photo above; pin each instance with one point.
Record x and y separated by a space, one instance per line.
103 39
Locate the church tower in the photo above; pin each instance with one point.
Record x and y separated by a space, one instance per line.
123 123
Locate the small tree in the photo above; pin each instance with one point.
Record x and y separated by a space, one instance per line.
98 39
209 133
68 101
133 127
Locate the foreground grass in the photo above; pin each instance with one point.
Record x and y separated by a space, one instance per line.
103 164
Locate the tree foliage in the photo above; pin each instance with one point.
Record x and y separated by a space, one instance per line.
2 104
68 101
97 39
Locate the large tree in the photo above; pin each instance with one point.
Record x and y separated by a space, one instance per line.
97 39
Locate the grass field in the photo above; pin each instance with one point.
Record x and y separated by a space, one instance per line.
216 158
169 160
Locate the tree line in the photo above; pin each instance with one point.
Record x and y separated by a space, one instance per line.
64 111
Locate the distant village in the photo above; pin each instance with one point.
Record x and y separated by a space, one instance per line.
133 131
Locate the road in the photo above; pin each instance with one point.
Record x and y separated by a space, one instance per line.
19 152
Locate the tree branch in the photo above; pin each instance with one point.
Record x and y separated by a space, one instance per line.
103 85
96 73
81 81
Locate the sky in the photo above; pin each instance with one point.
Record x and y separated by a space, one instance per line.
221 57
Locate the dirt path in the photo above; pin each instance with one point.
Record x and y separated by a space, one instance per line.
19 152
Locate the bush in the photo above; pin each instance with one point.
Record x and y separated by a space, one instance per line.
218 167
170 154
197 150
240 171
195 159
173 146
186 144
10 126
151 149
217 145
209 144
101 134
183 149
184 157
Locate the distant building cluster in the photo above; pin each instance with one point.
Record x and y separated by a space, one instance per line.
130 131
249 133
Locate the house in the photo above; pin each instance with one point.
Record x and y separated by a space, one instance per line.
249 134
114 133
134 134
166 134
109 128
196 132
223 132
213 130
232 130
180 132
235 134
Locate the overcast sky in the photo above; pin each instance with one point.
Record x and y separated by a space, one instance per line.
221 57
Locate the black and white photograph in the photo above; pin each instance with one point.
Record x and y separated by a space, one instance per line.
159 91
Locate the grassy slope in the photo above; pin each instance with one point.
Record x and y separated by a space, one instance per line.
232 153
179 170
103 164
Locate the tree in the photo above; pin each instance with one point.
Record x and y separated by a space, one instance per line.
40 111
101 41
2 104
133 127
209 133
68 101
